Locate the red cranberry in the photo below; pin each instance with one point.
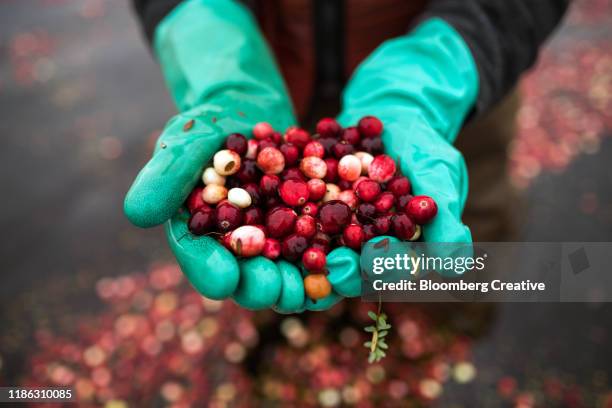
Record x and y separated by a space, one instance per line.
321 238
228 217
328 127
267 143
402 202
328 143
314 148
342 148
345 185
369 232
273 202
422 209
293 173
349 197
384 202
297 136
252 149
382 224
314 259
276 137
332 170
248 172
225 240
372 145
310 209
262 131
353 236
322 247
270 160
271 248
351 135
399 185
237 143
293 246
334 215
306 226
291 153
316 188
253 216
368 190
269 184
382 168
195 200
202 221
280 221
366 213
254 192
247 240
294 192
403 227
370 126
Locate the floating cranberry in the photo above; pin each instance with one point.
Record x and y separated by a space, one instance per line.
317 286
314 148
334 216
399 185
370 126
332 192
269 184
262 131
228 216
332 170
349 168
382 224
202 221
402 225
237 143
372 145
252 149
368 190
270 160
248 172
366 213
382 168
213 193
353 236
369 232
384 202
293 247
314 259
210 176
280 221
291 153
316 188
294 192
195 200
254 192
422 209
349 197
247 240
271 248
313 167
293 173
328 127
402 202
253 216
226 162
351 135
297 136
328 143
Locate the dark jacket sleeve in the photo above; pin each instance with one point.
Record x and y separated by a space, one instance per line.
503 35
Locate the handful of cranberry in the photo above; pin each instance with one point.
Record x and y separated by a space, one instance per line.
298 196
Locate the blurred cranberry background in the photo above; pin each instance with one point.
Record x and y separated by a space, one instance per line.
89 301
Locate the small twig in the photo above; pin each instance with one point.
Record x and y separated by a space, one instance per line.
379 330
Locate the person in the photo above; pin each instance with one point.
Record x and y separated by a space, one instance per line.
440 74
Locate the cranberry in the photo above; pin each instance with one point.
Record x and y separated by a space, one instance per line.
370 126
328 127
382 168
342 148
270 160
368 190
349 167
228 217
225 240
254 192
237 143
248 172
328 143
252 149
366 159
202 221
195 200
297 136
276 137
359 180
384 202
293 173
294 192
351 135
332 192
334 215
280 221
322 247
353 236
372 145
369 232
332 170
317 286
417 233
310 209
247 240
293 246
291 153
269 184
253 216
345 185
306 226
403 227
239 197
399 185
366 212
314 259
273 202
226 162
402 202
271 248
382 223
314 148
262 131
316 188
213 193
349 197
321 238
313 167
267 143
210 176
421 209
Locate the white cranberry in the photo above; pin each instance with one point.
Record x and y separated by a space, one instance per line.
247 240
239 197
213 193
271 161
417 233
252 147
313 167
349 167
366 159
332 192
210 176
226 162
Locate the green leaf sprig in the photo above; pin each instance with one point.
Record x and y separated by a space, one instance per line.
379 330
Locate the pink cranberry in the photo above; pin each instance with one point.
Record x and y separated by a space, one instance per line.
271 248
310 209
368 190
293 173
353 236
382 224
422 209
334 216
382 168
248 172
247 240
270 160
328 143
349 197
372 145
370 126
342 148
399 185
297 136
384 202
267 143
237 143
328 127
280 221
291 153
306 226
314 259
369 232
253 216
316 188
269 184
313 167
195 200
332 170
252 149
294 192
202 221
314 148
293 247
349 168
402 225
402 201
366 213
262 131
254 192
351 135
228 217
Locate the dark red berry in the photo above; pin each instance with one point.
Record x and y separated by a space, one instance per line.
370 126
202 221
316 188
314 259
369 232
402 225
254 192
249 172
195 200
384 202
351 135
328 143
228 216
237 143
314 148
293 247
273 202
345 185
402 202
333 216
368 190
422 209
382 224
271 249
306 226
322 247
399 185
269 184
291 153
332 170
280 221
321 238
328 127
276 137
297 136
294 192
310 209
372 145
267 143
366 213
293 173
353 236
253 216
342 148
